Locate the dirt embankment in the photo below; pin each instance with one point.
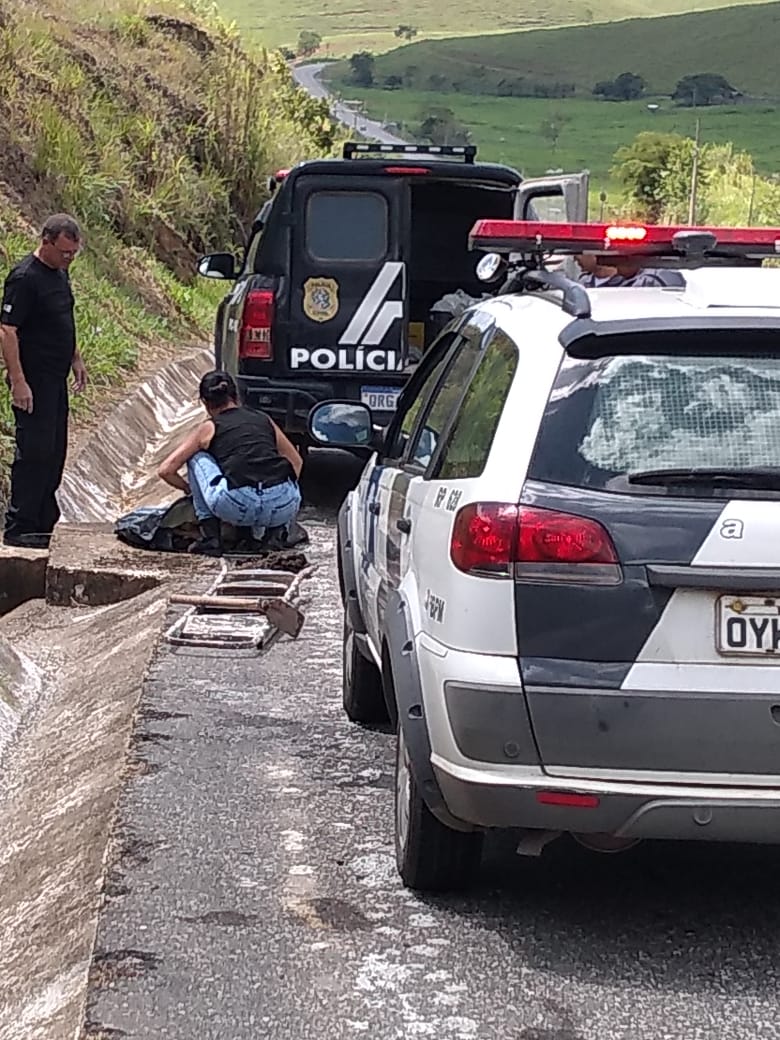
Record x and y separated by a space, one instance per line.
156 128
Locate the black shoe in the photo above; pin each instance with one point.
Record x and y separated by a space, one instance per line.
210 541
274 539
27 541
297 535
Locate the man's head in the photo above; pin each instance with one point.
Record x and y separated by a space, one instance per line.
60 241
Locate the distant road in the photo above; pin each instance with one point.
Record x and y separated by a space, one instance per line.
308 77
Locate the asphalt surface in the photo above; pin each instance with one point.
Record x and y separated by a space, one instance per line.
308 77
255 894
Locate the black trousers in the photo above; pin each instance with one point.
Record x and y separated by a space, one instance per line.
41 447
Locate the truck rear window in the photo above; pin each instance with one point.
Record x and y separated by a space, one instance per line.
346 225
611 418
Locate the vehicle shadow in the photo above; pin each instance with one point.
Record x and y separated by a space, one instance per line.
666 917
328 476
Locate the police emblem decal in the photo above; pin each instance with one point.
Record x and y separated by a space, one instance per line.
321 299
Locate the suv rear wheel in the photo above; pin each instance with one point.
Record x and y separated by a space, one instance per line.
364 699
431 857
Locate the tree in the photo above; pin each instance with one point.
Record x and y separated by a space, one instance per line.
405 32
655 171
625 87
361 66
287 53
393 83
439 126
708 88
308 43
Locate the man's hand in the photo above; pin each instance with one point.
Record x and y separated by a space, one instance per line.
79 375
22 395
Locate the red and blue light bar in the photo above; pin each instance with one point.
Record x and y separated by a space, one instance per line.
530 236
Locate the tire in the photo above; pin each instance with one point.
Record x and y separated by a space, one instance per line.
430 856
364 699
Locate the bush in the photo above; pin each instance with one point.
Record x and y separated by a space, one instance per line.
626 87
704 89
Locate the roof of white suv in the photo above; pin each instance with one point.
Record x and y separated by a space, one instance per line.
753 291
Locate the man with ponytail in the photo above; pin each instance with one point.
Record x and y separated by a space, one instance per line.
241 468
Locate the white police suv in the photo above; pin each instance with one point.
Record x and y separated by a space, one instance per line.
561 566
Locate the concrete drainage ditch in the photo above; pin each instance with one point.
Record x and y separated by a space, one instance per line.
79 627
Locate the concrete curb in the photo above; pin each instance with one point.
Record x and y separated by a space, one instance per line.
97 481
22 576
90 567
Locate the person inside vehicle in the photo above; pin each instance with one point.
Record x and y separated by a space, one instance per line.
624 271
241 468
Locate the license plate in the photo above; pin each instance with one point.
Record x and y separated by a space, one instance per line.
748 626
380 398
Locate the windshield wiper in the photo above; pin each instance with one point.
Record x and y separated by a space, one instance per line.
767 477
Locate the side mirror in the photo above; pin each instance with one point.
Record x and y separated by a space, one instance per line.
342 424
491 267
218 265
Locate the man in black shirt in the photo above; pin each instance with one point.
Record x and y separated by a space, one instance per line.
39 350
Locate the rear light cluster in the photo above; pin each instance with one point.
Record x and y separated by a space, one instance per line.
495 539
256 324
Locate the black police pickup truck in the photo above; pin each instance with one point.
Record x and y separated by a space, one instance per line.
344 263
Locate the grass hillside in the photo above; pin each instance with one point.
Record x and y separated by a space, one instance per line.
156 128
741 42
346 25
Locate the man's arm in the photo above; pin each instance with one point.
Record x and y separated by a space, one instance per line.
20 389
79 373
18 304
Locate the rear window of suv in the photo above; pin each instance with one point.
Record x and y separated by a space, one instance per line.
614 417
347 225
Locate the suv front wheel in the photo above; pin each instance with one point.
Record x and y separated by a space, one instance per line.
431 857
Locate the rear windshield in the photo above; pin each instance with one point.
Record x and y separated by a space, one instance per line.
618 416
346 225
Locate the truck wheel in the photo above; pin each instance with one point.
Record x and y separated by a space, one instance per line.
430 856
364 699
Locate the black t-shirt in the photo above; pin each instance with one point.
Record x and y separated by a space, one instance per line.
38 303
244 445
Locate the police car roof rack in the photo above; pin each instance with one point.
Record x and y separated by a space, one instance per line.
574 299
362 150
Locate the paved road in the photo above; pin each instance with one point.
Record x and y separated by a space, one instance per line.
256 896
308 76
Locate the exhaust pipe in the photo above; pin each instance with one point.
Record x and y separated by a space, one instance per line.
609 843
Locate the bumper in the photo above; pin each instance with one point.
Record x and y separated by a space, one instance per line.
669 811
487 767
288 402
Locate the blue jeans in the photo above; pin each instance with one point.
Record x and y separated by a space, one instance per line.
255 507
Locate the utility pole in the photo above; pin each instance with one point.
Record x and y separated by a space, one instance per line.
694 177
752 201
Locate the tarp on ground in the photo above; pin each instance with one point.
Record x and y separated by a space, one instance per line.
173 528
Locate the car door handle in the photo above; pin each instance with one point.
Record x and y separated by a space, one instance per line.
404 525
374 509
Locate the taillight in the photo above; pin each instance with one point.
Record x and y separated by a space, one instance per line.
494 539
484 538
550 537
411 171
256 324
